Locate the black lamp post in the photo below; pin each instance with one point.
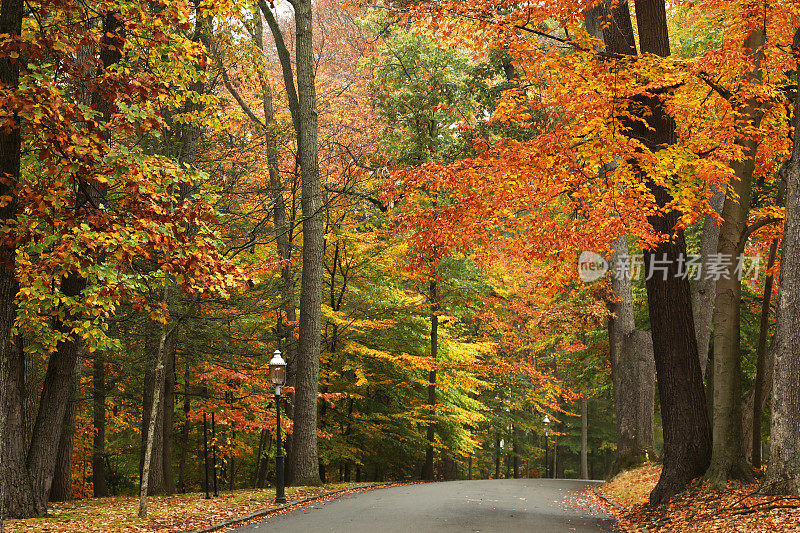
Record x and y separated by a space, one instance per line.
277 372
547 446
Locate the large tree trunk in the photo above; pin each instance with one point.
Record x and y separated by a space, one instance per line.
99 485
305 459
427 470
632 370
47 429
16 491
727 458
63 363
15 485
632 383
687 438
632 360
62 479
287 275
783 470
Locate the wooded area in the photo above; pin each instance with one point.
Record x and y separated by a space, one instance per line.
401 197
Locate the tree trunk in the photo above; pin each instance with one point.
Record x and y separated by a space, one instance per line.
154 409
514 451
153 387
63 363
427 471
16 490
555 456
187 407
305 458
15 485
704 290
783 470
632 359
169 418
263 465
497 456
632 370
59 377
727 458
61 490
584 438
283 232
687 436
99 485
756 400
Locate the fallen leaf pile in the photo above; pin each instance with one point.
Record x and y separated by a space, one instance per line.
739 508
167 514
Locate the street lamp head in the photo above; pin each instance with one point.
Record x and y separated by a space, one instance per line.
277 369
546 425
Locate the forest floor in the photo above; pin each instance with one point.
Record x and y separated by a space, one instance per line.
739 508
167 514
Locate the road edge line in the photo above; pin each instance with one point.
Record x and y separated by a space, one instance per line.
616 506
270 510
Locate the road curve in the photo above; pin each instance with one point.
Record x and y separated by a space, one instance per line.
504 505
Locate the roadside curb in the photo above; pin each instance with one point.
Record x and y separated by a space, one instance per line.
270 510
616 506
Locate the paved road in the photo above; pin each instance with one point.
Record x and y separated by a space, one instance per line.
509 505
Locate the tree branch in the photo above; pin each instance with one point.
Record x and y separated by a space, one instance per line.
755 226
286 62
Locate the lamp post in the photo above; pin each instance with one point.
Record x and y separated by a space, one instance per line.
546 446
277 373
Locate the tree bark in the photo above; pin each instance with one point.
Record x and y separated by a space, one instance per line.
153 387
169 417
632 370
99 485
283 233
16 491
305 458
61 368
497 455
187 407
727 458
783 470
584 438
427 471
704 290
632 359
154 409
514 451
762 387
687 436
62 479
63 363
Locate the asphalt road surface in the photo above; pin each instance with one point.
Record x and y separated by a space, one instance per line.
507 505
